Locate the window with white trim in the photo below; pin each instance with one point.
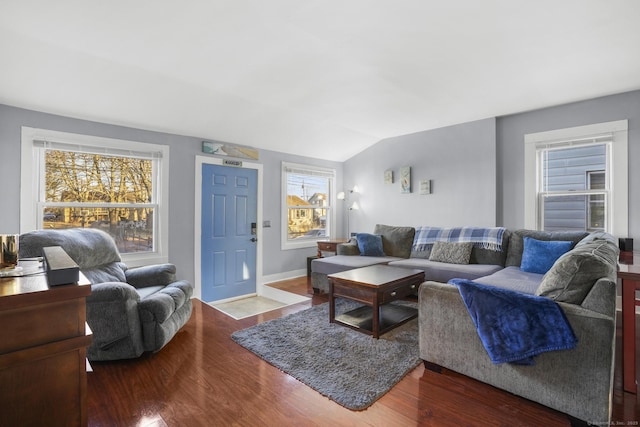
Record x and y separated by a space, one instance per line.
307 205
576 179
81 181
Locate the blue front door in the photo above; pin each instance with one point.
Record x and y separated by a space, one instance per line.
228 241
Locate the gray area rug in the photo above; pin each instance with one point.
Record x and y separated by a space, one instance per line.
348 367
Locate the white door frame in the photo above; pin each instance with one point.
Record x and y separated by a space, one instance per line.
200 161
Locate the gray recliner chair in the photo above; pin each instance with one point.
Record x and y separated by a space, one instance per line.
129 311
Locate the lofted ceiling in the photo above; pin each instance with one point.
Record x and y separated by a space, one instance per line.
324 79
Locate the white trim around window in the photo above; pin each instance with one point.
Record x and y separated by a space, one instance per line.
617 132
31 190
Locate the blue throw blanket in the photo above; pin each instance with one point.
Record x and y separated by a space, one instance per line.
513 326
487 238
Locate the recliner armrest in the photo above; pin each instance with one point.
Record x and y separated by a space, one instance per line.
160 305
112 292
112 315
151 275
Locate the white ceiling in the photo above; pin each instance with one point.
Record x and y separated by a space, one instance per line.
323 78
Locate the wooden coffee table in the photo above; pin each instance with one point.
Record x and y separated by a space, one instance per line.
376 286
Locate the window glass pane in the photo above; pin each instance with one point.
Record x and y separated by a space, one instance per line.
565 212
574 212
81 177
566 169
307 206
72 177
131 228
596 180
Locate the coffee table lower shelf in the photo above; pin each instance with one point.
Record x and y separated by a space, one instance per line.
391 316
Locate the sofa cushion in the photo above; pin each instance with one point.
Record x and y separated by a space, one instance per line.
443 272
370 244
396 241
516 242
451 252
338 263
574 273
480 255
348 248
514 279
538 256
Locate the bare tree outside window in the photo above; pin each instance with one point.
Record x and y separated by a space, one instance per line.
112 193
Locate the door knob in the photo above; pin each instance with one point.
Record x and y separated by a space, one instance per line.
253 239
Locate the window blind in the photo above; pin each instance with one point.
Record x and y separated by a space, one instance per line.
94 149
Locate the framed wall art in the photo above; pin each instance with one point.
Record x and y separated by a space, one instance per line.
405 179
388 176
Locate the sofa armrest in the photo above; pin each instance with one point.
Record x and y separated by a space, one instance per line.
151 275
349 248
599 297
563 380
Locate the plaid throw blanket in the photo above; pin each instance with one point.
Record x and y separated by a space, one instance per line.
486 238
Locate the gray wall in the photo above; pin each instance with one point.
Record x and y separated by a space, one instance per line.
181 189
275 260
475 168
459 160
510 131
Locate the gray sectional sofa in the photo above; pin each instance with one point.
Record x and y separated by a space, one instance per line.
578 382
397 244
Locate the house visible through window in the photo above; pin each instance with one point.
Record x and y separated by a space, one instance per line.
570 200
577 179
596 209
307 204
87 182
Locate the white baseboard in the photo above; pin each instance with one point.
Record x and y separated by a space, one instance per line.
283 276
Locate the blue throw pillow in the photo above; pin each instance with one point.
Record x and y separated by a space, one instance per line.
539 256
370 244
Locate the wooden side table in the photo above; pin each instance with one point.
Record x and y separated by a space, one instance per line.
629 274
329 246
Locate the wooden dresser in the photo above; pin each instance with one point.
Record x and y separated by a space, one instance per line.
43 340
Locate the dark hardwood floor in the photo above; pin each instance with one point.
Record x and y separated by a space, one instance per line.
203 378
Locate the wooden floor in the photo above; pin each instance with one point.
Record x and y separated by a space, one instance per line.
203 378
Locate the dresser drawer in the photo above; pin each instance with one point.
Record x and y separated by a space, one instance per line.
327 246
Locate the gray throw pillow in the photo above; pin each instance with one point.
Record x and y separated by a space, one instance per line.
396 241
451 252
573 275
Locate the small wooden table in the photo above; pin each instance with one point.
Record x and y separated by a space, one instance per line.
629 274
329 246
376 286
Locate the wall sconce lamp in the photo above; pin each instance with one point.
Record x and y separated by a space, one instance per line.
343 196
350 207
